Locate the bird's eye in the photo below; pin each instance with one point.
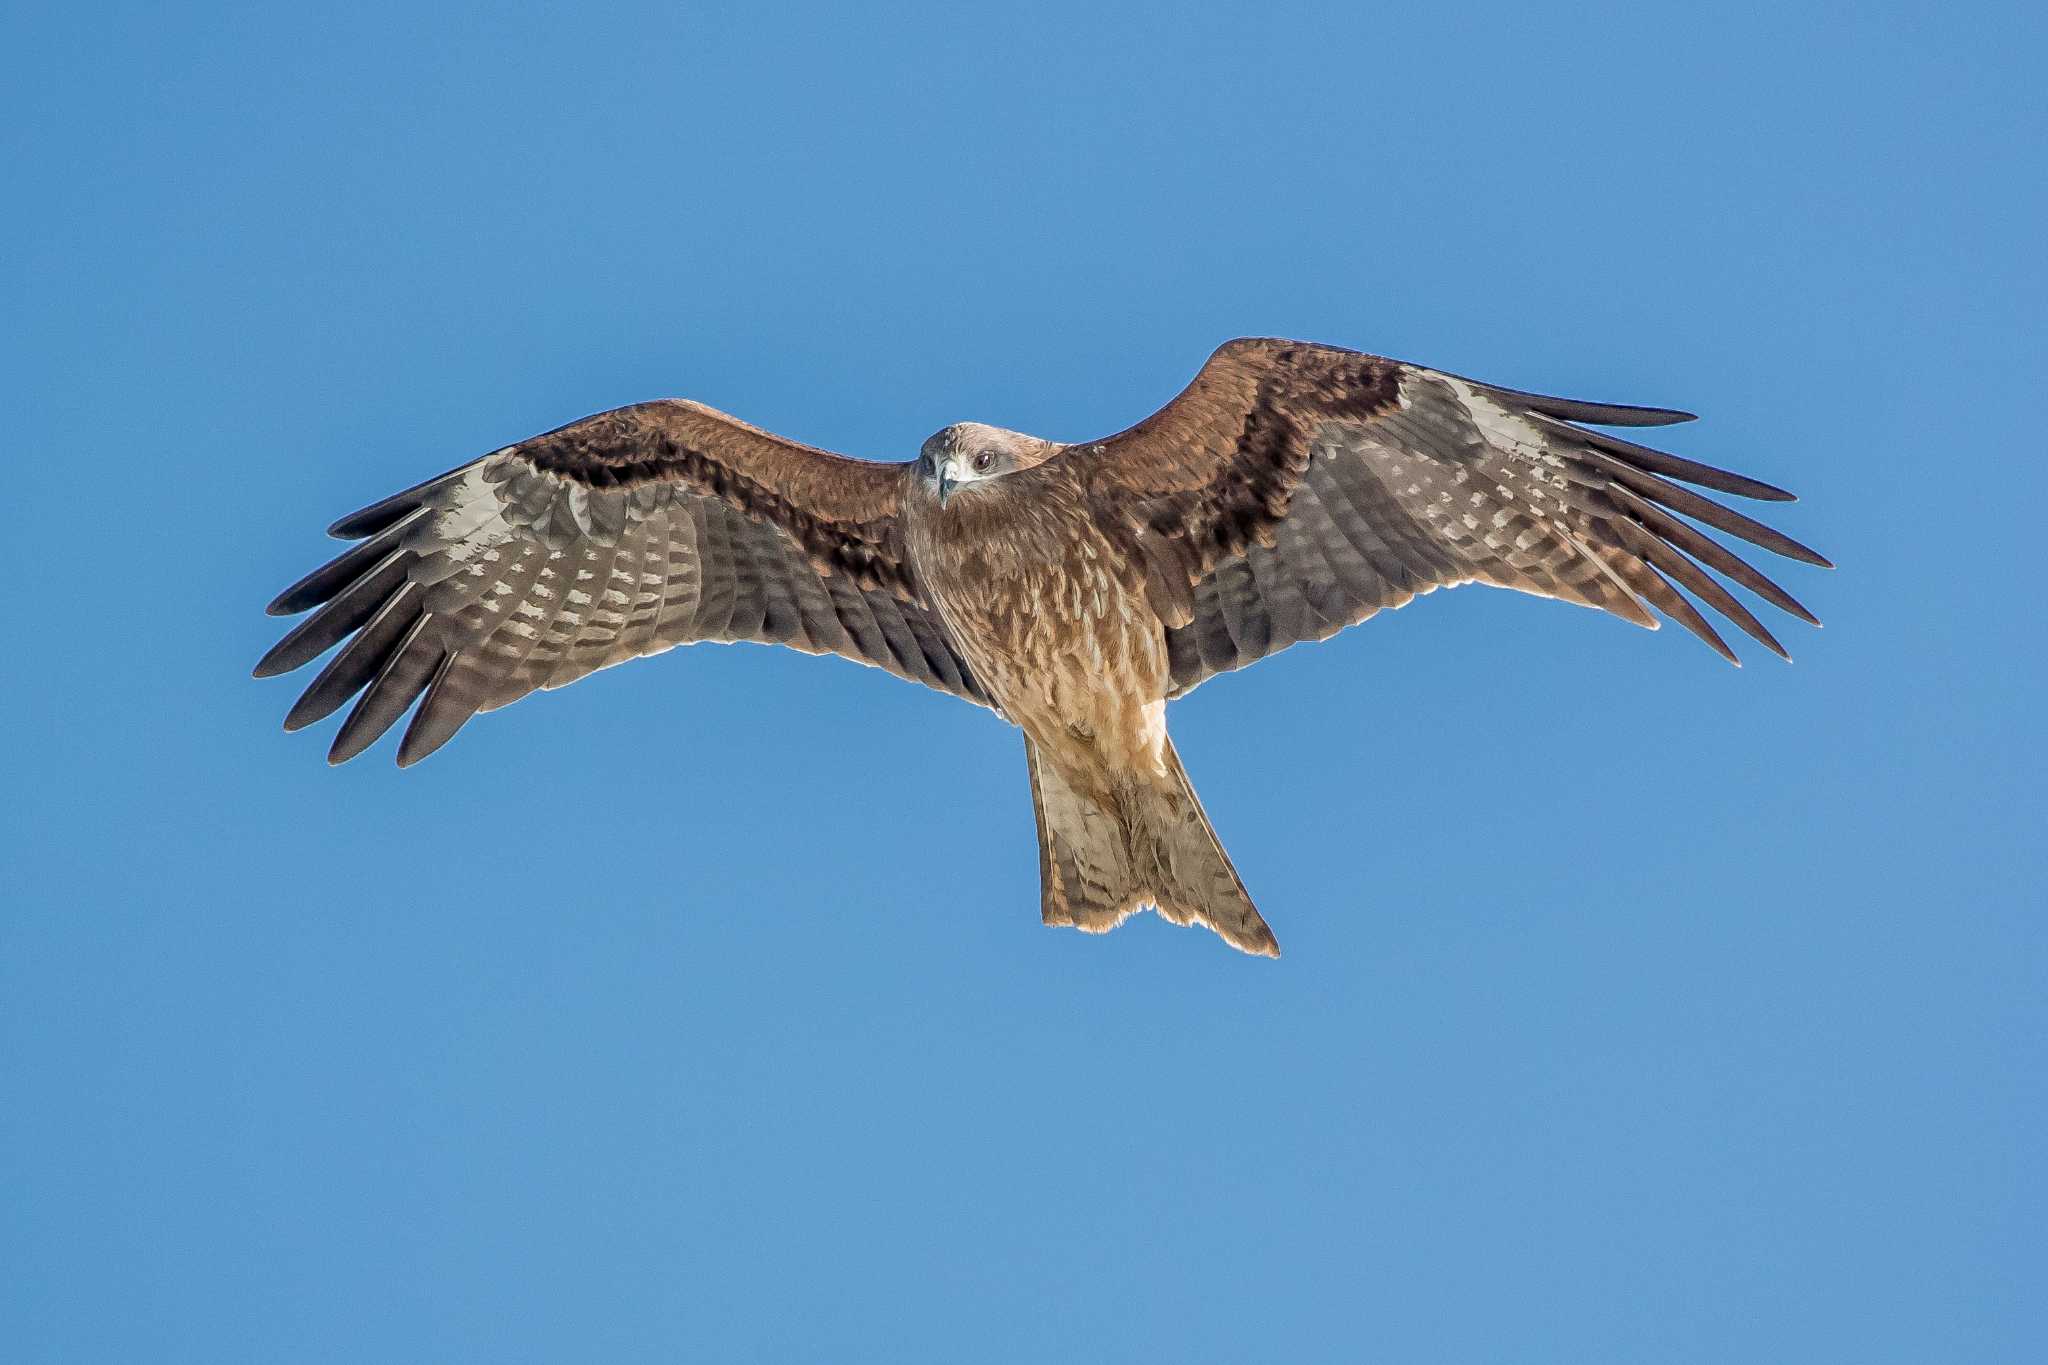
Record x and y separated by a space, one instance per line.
983 460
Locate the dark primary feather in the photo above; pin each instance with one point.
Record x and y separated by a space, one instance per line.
621 535
1577 410
1303 488
379 515
347 610
331 577
1692 471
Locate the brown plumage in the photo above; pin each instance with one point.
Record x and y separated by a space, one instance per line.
1289 491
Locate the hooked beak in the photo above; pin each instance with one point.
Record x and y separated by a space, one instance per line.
944 482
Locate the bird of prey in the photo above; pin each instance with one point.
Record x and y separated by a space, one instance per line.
1289 491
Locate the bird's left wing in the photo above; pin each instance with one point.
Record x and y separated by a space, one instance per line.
623 534
1294 489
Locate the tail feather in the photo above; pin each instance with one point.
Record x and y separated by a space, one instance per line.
1101 859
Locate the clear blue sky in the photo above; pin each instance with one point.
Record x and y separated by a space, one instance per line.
1634 1008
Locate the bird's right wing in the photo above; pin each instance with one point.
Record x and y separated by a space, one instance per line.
624 534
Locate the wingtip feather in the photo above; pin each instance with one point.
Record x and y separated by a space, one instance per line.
385 512
1598 414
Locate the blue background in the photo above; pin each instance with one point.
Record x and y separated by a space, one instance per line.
1634 1008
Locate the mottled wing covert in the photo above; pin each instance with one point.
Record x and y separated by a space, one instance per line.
1292 490
624 534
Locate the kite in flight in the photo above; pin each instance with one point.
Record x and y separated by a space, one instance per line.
1290 491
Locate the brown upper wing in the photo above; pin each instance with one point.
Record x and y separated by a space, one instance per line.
623 534
1294 489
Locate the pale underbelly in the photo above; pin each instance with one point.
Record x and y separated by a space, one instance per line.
1088 685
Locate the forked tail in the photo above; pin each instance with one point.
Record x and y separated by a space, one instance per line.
1101 859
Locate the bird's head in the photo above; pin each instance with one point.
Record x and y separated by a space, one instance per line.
970 454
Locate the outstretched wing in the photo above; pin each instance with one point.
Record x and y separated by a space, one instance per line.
1292 490
623 534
